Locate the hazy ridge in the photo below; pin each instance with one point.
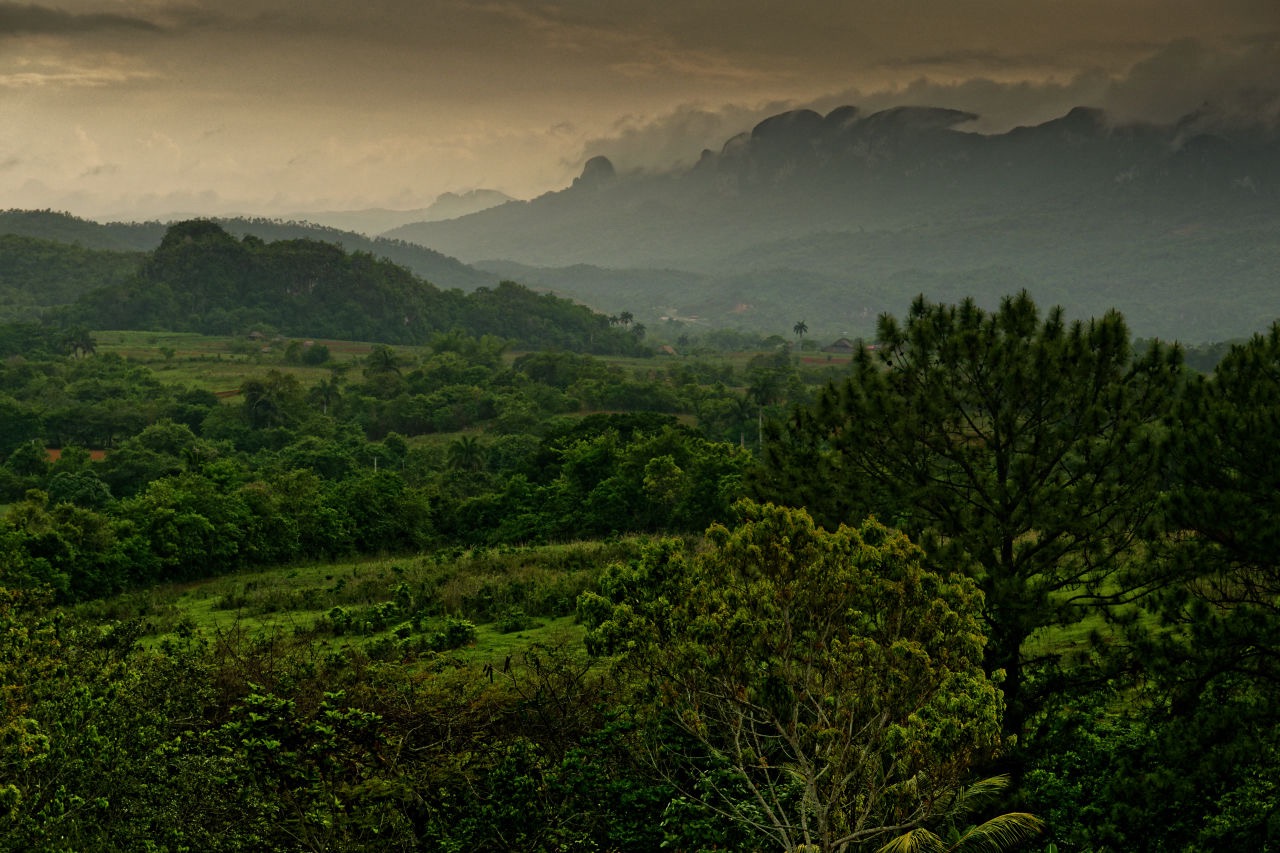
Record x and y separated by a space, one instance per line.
837 218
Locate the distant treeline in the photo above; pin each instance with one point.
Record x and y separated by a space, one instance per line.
135 238
37 274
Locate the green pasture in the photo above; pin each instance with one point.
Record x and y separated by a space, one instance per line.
220 363
390 607
512 596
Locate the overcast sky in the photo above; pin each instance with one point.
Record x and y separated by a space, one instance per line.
136 108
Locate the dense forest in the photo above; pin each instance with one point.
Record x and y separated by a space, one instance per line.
500 578
136 238
202 279
36 274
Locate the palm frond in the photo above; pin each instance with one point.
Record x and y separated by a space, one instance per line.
1000 833
918 840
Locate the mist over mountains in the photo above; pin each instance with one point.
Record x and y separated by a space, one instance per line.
836 218
374 221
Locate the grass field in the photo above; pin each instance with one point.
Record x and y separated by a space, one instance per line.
502 599
221 363
397 607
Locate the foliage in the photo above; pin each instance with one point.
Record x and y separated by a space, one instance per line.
202 279
1215 658
192 485
1021 448
36 274
241 742
831 686
444 729
998 833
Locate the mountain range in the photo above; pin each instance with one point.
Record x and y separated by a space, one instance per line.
833 219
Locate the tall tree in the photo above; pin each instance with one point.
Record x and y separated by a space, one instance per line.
831 686
1216 659
326 392
465 453
273 400
77 341
1224 459
1021 448
382 359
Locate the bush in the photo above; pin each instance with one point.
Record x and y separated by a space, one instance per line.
456 634
514 619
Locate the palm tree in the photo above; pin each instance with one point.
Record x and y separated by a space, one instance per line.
1002 832
800 330
382 359
261 403
269 401
465 454
78 341
326 392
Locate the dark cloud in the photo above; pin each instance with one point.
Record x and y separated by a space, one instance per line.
981 59
676 139
1186 80
30 19
999 105
1188 75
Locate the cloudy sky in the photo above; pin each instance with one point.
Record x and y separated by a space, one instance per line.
136 108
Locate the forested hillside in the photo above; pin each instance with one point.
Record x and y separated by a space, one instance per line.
61 227
441 270
202 279
39 274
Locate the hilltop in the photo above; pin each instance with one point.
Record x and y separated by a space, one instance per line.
58 227
202 279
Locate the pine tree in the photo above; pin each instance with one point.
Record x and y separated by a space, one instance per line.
1021 449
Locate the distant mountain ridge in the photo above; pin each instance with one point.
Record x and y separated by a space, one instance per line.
836 218
374 221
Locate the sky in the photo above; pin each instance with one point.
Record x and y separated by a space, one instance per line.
135 109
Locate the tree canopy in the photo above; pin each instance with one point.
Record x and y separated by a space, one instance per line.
1021 448
831 687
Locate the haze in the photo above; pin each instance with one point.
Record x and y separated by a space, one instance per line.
141 108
